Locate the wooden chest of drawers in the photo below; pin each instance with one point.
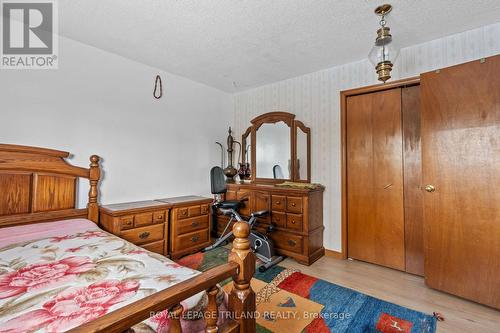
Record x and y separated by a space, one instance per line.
144 223
189 224
297 215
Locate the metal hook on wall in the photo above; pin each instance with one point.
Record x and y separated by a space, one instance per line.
158 84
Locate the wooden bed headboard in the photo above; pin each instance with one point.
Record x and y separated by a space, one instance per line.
38 185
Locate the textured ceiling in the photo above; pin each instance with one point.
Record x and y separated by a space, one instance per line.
238 44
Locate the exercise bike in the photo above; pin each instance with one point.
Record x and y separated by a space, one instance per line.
260 243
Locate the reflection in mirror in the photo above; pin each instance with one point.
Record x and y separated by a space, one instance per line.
273 151
301 164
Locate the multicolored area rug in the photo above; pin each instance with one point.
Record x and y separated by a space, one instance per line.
291 302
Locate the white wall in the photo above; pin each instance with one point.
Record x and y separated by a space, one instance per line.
101 103
314 98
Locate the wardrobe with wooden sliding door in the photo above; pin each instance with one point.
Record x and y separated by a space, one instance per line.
382 175
461 179
421 177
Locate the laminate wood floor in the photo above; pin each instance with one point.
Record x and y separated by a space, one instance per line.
406 290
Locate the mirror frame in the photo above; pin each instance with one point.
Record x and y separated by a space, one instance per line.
298 125
295 125
244 145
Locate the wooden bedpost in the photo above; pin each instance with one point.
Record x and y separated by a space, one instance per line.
212 312
242 297
95 173
175 314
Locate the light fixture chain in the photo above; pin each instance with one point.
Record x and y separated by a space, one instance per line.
383 21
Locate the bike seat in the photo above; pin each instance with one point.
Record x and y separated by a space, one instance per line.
259 213
228 204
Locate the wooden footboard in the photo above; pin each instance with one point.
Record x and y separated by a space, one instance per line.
241 305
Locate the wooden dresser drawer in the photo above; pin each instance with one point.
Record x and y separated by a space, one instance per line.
144 234
294 204
126 222
279 219
182 213
144 223
159 217
278 203
154 247
192 239
294 222
194 211
189 224
296 214
192 224
287 241
205 209
143 219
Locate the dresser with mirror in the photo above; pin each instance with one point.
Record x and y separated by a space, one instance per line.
278 149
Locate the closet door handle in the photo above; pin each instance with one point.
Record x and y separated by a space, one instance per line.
430 188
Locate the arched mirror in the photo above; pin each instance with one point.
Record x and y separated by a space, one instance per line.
279 148
273 151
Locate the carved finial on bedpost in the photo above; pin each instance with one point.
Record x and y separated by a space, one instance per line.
242 297
94 175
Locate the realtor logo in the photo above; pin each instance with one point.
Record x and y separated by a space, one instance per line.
29 34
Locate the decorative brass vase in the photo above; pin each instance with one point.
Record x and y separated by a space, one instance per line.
230 171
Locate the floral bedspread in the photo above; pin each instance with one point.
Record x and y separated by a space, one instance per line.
55 283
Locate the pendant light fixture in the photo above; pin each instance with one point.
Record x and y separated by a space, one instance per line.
384 53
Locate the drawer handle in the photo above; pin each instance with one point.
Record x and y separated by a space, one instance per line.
159 217
291 242
293 204
278 219
293 221
128 222
194 239
195 224
144 235
278 202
